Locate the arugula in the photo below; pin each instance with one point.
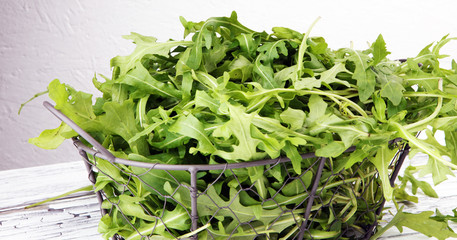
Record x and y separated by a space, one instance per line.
231 94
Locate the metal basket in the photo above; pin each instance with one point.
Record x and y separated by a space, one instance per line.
295 205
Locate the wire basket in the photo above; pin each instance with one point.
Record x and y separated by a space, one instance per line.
187 201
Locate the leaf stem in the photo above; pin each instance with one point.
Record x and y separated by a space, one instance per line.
302 50
328 94
86 188
196 231
34 96
434 114
415 141
425 94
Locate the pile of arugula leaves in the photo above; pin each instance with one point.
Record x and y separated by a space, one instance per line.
230 94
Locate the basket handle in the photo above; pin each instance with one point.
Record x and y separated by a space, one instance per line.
110 157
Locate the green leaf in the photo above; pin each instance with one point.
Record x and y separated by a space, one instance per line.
268 143
379 50
294 117
248 43
140 78
423 185
298 185
144 46
74 104
422 223
51 138
191 127
380 108
382 161
292 153
177 219
230 24
256 176
363 74
436 165
286 33
206 79
240 68
424 80
119 119
239 126
333 149
329 76
438 170
355 157
391 87
130 206
263 63
265 74
202 99
317 108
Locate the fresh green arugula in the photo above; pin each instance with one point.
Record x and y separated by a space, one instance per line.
231 94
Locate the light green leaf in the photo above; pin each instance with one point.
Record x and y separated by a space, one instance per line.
415 184
240 68
268 143
317 108
438 170
382 161
265 75
144 46
333 149
52 138
204 38
391 87
329 76
130 206
379 50
294 156
298 185
294 117
437 165
239 126
248 44
422 223
202 99
140 78
119 119
74 104
191 127
176 219
206 79
363 74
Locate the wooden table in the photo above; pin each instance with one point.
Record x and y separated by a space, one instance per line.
77 216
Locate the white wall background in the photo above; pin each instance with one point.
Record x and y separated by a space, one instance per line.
71 40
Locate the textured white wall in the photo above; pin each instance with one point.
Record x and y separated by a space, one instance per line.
71 40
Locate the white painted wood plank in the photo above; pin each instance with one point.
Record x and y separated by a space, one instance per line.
73 217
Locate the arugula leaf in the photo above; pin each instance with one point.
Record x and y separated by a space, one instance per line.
239 126
421 222
144 46
51 138
382 161
379 50
191 127
119 119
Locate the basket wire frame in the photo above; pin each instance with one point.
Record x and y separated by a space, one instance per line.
315 198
